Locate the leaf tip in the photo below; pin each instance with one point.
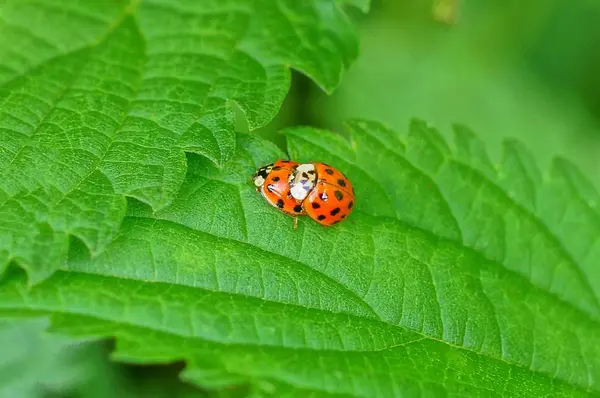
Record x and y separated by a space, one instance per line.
462 130
363 124
33 278
564 167
361 5
419 124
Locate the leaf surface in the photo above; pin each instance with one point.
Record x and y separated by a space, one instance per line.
453 276
99 101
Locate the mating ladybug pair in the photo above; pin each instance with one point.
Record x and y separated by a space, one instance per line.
313 189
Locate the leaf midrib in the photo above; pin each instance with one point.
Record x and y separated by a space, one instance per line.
354 294
357 317
72 80
532 216
545 228
128 10
402 223
330 281
503 195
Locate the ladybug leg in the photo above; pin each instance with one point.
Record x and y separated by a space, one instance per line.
295 222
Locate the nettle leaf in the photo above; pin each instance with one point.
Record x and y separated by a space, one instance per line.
100 100
453 276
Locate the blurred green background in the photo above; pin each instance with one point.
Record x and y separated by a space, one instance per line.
520 69
38 364
511 68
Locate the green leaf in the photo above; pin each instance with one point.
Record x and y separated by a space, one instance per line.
362 5
100 100
453 276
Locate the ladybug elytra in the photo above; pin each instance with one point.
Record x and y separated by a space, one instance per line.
314 189
272 181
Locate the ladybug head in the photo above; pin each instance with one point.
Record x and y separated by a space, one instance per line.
261 175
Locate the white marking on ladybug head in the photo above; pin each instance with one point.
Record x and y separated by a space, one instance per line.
302 181
258 180
261 175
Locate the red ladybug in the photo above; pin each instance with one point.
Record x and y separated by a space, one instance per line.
272 181
314 189
326 194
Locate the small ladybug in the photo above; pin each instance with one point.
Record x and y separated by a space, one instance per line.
327 196
314 189
272 181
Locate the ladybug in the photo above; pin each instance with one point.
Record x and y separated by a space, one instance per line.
314 189
272 181
327 196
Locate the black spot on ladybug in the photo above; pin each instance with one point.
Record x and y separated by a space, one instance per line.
343 216
342 183
350 205
280 203
275 178
339 195
315 205
321 217
298 209
335 211
289 193
329 171
277 168
271 188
